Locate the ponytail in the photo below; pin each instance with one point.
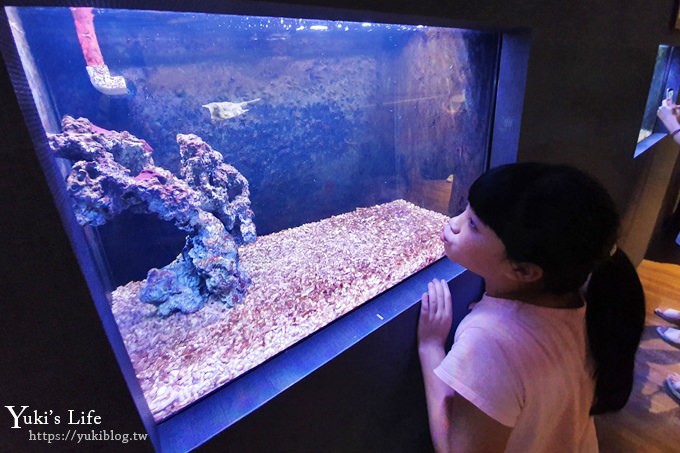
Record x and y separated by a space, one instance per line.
615 317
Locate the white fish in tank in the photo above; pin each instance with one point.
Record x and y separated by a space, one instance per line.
220 111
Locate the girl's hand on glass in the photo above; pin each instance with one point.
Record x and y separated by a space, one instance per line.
436 316
668 112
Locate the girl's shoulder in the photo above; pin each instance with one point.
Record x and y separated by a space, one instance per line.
494 307
511 320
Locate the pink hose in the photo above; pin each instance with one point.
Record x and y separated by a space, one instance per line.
84 21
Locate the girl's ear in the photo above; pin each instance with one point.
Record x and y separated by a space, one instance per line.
526 272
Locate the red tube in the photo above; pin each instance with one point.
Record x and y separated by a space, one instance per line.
84 21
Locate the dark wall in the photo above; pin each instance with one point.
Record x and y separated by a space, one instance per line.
590 68
54 355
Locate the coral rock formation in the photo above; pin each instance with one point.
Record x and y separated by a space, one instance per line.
223 190
114 171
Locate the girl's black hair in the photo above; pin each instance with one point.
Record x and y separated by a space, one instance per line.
564 221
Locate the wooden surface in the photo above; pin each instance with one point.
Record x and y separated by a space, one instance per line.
650 422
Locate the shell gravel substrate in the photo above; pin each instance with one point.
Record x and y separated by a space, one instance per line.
303 278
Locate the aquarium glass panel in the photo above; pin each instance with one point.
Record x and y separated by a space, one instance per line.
244 181
665 84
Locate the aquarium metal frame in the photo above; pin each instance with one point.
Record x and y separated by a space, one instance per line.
225 406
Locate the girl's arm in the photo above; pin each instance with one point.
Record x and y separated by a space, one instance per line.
455 423
434 325
668 114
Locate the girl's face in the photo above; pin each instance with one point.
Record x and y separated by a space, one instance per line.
472 244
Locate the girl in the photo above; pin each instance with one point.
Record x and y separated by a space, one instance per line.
542 351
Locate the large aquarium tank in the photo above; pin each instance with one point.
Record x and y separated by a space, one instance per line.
235 183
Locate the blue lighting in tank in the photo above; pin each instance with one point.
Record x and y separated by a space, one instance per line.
301 25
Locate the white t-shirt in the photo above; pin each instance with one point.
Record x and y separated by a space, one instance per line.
526 367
